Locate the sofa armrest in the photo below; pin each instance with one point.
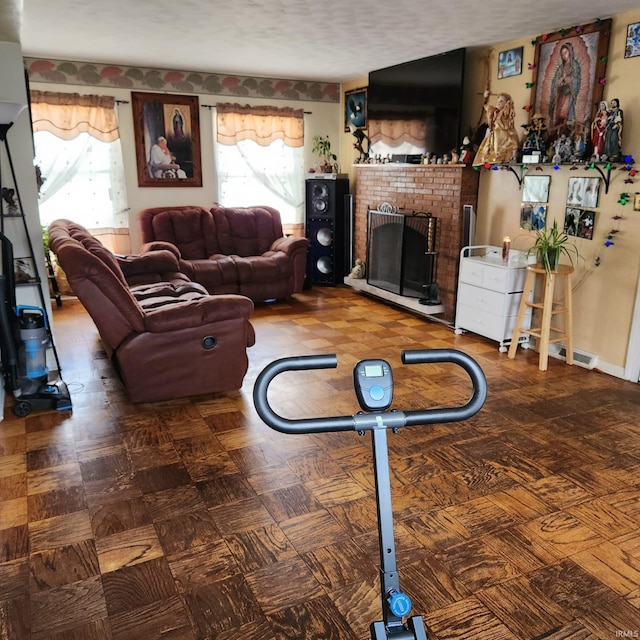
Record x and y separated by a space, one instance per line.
160 245
154 262
199 312
290 244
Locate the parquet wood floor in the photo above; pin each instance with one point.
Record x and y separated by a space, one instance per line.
191 519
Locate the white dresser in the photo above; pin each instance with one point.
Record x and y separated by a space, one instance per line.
489 293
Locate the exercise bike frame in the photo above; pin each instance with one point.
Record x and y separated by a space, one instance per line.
392 625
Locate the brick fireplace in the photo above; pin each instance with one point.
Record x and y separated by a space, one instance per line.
441 190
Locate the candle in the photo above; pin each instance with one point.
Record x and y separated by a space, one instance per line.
506 245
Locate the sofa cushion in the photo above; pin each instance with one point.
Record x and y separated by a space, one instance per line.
153 296
273 266
246 231
190 229
94 246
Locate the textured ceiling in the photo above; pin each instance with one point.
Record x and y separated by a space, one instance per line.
333 40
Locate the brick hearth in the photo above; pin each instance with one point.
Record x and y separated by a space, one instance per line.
441 190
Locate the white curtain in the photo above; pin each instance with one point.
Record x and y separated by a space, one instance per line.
254 172
79 155
83 181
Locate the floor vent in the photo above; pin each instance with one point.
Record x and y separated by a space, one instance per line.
581 358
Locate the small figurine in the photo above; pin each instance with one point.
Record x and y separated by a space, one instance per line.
536 139
579 147
358 270
613 133
466 150
8 197
598 129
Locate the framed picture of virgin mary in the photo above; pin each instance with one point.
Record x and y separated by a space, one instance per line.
167 139
569 75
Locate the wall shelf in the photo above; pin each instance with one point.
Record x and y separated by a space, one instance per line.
520 169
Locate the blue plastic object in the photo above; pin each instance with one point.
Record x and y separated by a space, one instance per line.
399 603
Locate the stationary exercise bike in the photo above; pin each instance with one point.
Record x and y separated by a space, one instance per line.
373 383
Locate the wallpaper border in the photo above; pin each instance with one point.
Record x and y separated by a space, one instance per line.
142 78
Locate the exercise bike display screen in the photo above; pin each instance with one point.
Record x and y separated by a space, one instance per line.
373 371
373 382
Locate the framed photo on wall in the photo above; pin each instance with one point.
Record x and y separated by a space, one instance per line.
536 188
568 78
355 109
510 63
632 46
24 270
167 140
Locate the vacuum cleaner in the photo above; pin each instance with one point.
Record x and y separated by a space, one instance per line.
25 337
373 383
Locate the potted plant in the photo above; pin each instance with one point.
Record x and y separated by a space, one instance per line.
322 147
550 244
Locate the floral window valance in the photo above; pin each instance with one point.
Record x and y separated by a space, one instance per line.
66 115
262 124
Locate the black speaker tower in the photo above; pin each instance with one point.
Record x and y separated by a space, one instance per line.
328 228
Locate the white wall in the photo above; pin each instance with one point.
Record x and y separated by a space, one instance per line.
322 119
19 139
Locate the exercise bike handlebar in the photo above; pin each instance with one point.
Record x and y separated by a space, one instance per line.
358 422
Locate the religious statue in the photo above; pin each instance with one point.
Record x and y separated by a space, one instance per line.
500 143
613 133
598 129
536 139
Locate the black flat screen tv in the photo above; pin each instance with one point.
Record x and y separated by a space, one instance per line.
429 89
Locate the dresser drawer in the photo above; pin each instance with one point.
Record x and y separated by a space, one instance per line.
496 278
482 299
499 328
484 275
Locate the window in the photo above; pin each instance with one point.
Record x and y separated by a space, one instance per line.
78 152
259 159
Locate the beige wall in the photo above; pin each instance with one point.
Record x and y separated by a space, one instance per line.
604 296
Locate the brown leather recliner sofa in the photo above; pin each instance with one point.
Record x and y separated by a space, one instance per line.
229 249
167 337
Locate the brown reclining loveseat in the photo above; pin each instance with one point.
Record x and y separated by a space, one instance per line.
229 250
166 336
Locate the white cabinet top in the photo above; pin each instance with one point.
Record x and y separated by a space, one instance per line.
490 255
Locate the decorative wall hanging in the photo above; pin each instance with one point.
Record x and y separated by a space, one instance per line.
632 47
355 109
569 73
510 63
583 192
167 138
536 188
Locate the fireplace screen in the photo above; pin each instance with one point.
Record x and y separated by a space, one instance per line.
401 252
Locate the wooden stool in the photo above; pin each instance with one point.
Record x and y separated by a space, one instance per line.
550 308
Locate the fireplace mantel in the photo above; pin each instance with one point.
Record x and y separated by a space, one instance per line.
441 190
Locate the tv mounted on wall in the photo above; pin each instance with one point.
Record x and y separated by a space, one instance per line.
429 89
